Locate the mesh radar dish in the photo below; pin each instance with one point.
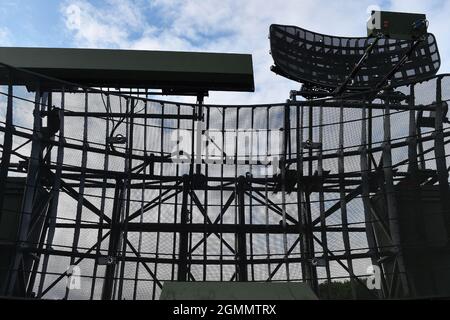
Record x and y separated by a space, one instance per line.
325 61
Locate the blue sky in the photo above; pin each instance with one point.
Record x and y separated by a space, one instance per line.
32 23
193 25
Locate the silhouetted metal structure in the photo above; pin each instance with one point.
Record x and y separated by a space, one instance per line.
325 61
359 178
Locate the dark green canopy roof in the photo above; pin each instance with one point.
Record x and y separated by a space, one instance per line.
192 71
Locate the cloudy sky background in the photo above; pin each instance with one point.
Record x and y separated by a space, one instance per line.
190 25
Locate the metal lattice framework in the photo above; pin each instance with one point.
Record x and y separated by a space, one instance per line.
107 190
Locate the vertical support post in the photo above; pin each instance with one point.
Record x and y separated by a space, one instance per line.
6 157
365 194
84 155
47 221
252 157
344 218
55 195
102 203
369 133
198 142
439 150
413 191
309 254
307 213
161 173
242 275
323 223
224 158
390 194
413 166
114 241
32 185
306 271
286 138
205 219
53 207
7 147
141 218
266 191
127 185
311 139
236 207
184 236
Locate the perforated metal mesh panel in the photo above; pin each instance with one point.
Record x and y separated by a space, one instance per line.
324 60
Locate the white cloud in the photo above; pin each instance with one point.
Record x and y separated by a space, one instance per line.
5 39
109 27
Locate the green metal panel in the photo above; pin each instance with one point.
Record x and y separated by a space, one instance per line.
424 239
134 68
396 25
9 226
9 223
236 291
